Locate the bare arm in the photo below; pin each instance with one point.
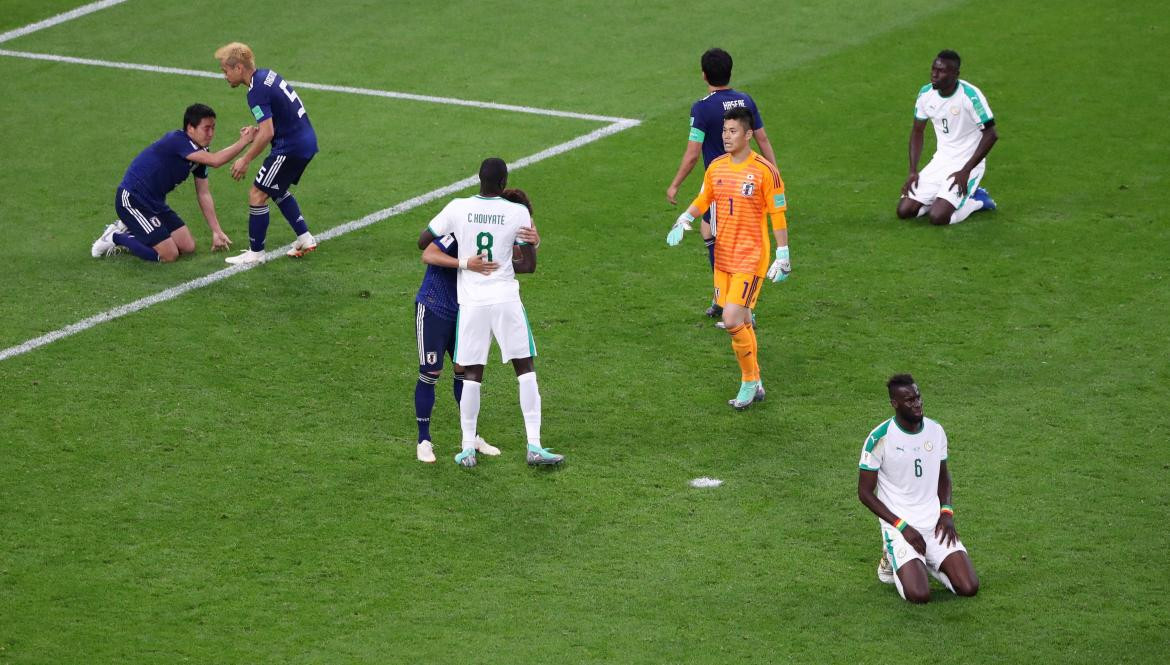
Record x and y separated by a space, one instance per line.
221 157
526 261
219 239
263 136
916 140
944 530
689 159
425 238
866 492
434 256
766 146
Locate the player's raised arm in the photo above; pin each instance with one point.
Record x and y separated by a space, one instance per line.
220 157
260 140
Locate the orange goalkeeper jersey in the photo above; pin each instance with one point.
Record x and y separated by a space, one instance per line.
741 196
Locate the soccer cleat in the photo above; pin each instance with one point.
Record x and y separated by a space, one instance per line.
466 458
425 452
885 571
104 245
247 256
983 197
759 392
538 456
484 447
714 311
748 390
304 244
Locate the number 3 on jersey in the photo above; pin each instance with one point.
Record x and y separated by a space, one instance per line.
483 244
292 97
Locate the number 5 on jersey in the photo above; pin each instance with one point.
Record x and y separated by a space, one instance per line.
292 97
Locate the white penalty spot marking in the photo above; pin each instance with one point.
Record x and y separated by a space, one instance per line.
705 482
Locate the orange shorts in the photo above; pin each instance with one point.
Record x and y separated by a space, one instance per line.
741 288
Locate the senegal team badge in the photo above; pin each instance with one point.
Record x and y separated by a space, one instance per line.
929 446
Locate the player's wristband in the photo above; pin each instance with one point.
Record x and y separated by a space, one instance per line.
463 264
687 216
900 525
947 509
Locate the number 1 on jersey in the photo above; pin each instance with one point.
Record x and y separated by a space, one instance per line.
292 97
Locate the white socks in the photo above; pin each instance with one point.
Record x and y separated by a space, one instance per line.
969 206
529 406
469 412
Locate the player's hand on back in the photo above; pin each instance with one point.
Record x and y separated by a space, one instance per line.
220 241
910 185
528 235
481 265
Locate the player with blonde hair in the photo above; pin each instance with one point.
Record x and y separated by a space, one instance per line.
284 123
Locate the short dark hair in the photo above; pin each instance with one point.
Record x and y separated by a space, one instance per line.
716 64
195 114
899 381
950 56
740 113
517 196
493 174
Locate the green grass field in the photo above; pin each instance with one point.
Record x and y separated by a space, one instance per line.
229 476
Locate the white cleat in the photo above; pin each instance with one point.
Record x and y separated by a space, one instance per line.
425 452
304 244
245 257
485 448
885 571
104 245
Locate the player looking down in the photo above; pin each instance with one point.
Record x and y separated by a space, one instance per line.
948 188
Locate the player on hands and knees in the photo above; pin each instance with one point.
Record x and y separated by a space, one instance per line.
283 123
903 479
146 225
493 227
948 188
706 137
742 189
436 313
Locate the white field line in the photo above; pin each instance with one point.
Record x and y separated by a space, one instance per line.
369 92
58 19
372 218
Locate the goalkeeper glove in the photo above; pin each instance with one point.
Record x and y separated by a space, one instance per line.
781 267
681 225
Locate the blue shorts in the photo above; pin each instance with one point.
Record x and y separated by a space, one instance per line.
279 173
149 224
436 337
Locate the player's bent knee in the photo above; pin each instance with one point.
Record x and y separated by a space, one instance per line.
917 597
940 220
966 588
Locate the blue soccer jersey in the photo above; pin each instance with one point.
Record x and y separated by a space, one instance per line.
161 167
707 120
270 96
440 285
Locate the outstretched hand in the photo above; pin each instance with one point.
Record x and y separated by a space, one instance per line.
239 168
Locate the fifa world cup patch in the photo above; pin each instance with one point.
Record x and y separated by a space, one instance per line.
778 201
257 112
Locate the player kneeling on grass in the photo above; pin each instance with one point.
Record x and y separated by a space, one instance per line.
903 479
742 189
146 225
491 226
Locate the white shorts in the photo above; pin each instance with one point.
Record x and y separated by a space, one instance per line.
900 551
934 182
477 326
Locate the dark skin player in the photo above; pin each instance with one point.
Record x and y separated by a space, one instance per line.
907 403
944 77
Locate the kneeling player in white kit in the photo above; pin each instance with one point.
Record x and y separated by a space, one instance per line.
489 304
905 460
948 188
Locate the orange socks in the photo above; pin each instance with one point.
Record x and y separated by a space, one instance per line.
743 343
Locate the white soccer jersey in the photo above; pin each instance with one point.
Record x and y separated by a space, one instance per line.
483 225
908 467
958 120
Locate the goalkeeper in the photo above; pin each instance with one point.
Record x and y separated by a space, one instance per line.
741 189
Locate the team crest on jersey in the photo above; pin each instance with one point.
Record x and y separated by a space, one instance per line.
154 222
748 188
954 110
929 446
432 357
